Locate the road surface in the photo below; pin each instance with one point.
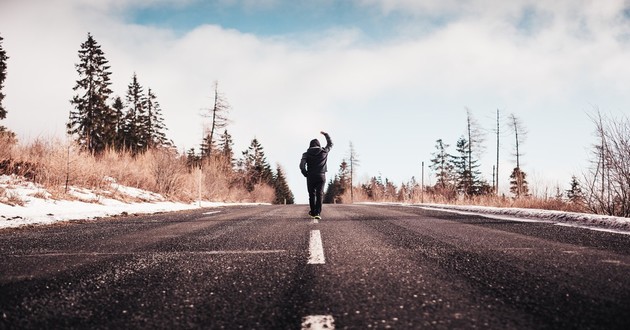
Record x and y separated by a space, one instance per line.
272 267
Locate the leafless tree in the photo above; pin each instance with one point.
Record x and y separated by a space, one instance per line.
607 182
353 156
476 137
219 120
518 183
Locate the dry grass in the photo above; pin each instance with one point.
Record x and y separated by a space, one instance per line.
58 165
416 197
531 202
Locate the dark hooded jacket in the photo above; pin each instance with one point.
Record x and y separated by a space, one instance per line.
314 159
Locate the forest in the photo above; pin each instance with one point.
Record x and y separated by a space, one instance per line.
126 139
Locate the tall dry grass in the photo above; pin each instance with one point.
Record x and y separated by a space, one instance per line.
416 196
58 165
530 202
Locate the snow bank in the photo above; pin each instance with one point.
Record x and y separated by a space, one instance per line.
25 203
567 218
573 219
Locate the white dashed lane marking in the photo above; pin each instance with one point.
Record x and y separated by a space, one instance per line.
318 322
316 248
212 212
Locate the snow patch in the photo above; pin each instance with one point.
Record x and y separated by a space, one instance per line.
613 224
25 203
582 220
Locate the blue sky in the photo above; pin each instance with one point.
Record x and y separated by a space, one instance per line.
392 76
270 19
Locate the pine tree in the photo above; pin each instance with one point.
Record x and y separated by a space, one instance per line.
192 159
334 191
518 183
464 180
89 121
226 153
153 122
468 181
134 137
281 187
338 185
575 194
390 190
3 76
256 170
119 117
374 189
442 164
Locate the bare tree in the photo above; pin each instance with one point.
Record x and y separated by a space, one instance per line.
466 164
518 182
219 120
354 162
607 183
476 137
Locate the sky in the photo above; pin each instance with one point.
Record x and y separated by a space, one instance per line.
390 76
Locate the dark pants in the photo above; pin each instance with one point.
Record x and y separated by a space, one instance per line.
315 185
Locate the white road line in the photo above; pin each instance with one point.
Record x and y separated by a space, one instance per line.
212 212
605 230
315 221
318 322
316 248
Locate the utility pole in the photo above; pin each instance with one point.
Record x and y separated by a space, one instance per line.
493 179
199 184
496 187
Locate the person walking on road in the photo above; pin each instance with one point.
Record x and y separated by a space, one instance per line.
313 167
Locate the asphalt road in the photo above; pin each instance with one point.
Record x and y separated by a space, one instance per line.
272 267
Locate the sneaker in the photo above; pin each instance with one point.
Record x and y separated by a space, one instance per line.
311 214
317 217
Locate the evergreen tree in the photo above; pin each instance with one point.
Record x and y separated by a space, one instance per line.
374 189
390 190
207 145
338 185
334 190
464 180
575 194
281 187
90 119
192 159
119 117
442 165
518 183
3 76
468 181
153 123
256 169
226 153
134 137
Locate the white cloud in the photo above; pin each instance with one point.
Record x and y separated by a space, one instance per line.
393 99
